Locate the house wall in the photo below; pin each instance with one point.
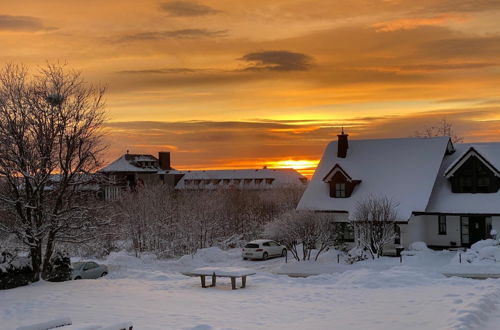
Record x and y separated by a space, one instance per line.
413 231
432 236
495 224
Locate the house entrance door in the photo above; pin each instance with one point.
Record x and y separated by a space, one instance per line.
477 229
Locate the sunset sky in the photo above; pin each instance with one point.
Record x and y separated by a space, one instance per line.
247 83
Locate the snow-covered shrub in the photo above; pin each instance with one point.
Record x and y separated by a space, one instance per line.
232 242
374 221
356 254
59 268
308 229
14 271
482 252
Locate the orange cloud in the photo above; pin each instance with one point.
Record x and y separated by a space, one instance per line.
413 23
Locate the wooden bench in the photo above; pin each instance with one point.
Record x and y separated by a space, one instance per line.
214 272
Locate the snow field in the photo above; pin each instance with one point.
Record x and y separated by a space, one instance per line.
153 295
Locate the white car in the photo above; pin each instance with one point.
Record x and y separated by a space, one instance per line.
88 270
262 249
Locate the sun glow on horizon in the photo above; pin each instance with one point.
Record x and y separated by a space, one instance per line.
305 167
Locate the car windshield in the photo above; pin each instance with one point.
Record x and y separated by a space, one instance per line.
252 245
77 265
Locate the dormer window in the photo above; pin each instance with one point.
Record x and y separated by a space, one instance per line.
340 190
341 184
472 173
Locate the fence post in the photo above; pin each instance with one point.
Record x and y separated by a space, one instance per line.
460 257
400 258
338 258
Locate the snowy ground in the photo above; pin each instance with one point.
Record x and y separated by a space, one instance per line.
372 295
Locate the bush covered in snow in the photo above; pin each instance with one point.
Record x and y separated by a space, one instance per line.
308 230
59 268
481 252
14 271
356 254
374 221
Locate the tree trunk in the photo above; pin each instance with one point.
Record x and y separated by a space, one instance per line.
49 249
36 261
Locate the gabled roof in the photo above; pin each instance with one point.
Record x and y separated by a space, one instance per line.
401 169
127 163
443 200
335 169
470 152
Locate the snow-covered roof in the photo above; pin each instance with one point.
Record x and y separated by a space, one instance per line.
403 170
443 200
476 150
130 163
250 178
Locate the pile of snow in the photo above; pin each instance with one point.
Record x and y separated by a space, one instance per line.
486 251
204 257
482 259
124 259
416 248
419 246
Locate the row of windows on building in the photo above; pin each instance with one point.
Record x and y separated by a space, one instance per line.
198 182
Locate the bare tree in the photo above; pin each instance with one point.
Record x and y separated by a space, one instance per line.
444 128
374 223
147 217
50 140
314 231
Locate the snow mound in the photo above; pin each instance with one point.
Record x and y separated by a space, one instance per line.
419 246
490 252
210 255
481 260
484 243
124 259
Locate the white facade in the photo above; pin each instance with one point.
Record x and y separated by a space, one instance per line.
425 228
419 176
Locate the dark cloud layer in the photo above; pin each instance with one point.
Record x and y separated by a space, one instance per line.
277 60
175 34
187 8
20 23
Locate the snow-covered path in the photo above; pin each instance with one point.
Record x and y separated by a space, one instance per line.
154 296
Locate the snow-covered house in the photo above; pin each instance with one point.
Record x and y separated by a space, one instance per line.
242 179
447 195
132 170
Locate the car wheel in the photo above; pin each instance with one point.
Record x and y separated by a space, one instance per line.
265 256
245 258
78 278
283 253
104 274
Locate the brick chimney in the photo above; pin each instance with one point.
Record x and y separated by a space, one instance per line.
164 160
342 145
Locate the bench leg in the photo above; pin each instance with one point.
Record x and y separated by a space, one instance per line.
233 283
214 279
243 282
202 277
